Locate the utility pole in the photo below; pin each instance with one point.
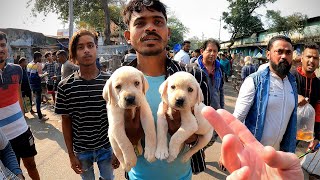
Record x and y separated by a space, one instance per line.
219 25
70 19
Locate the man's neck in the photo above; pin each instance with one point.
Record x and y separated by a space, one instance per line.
89 72
208 64
152 65
308 74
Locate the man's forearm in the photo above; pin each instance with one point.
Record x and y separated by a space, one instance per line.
67 132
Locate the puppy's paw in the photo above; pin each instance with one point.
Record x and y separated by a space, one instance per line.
130 163
162 153
149 154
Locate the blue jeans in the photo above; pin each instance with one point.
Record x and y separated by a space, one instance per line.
38 102
103 158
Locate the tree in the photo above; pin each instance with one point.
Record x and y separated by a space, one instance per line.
196 42
94 13
177 30
240 21
288 24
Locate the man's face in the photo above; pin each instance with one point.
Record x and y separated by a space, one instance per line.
49 58
280 56
61 58
86 51
3 50
54 57
210 53
310 60
187 47
148 32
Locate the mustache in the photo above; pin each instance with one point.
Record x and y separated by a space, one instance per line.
87 55
143 38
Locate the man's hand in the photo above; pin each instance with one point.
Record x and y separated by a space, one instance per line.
133 126
313 144
244 156
301 100
174 125
75 164
115 162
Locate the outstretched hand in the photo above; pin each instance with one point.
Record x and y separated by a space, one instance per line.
244 156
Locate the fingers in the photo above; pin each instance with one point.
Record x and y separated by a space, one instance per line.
279 159
230 149
240 130
77 168
217 122
240 174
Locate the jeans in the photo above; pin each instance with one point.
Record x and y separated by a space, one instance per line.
38 102
103 158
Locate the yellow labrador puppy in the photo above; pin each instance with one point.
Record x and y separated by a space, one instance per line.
126 89
182 92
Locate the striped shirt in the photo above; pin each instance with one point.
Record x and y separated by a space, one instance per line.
197 160
12 121
50 68
82 100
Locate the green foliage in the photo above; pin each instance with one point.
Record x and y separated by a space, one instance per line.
288 24
91 13
196 42
240 20
177 30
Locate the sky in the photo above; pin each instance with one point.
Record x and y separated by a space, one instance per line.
201 17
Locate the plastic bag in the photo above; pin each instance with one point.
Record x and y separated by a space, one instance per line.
305 122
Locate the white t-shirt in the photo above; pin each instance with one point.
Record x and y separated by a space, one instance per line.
182 56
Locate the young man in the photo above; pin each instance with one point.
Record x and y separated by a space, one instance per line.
183 54
12 121
34 70
67 67
267 101
309 85
25 85
50 68
209 64
225 66
148 34
83 110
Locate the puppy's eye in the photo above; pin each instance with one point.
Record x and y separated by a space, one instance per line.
118 87
190 89
136 83
173 87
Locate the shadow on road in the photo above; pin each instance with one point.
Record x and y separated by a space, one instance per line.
47 129
218 173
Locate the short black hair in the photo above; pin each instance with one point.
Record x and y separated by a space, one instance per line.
62 52
21 60
140 5
3 36
37 55
185 42
197 50
210 41
47 54
276 38
311 45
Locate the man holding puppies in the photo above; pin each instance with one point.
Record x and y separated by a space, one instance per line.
148 34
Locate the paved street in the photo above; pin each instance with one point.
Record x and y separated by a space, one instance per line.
53 162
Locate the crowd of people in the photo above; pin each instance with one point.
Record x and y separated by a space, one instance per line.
258 139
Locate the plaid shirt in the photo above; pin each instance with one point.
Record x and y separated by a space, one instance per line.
198 163
50 68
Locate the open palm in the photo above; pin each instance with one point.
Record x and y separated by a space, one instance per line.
247 158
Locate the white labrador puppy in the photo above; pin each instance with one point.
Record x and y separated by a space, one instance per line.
182 92
126 89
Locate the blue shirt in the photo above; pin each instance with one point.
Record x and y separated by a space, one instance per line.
159 170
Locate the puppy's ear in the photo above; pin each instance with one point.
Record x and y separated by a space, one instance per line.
107 92
145 84
163 91
200 97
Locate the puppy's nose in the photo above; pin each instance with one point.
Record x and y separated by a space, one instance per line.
179 102
130 99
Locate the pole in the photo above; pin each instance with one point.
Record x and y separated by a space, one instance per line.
219 27
70 19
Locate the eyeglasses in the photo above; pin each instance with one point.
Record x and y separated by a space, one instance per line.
283 51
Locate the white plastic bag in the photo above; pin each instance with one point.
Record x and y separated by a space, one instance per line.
305 122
